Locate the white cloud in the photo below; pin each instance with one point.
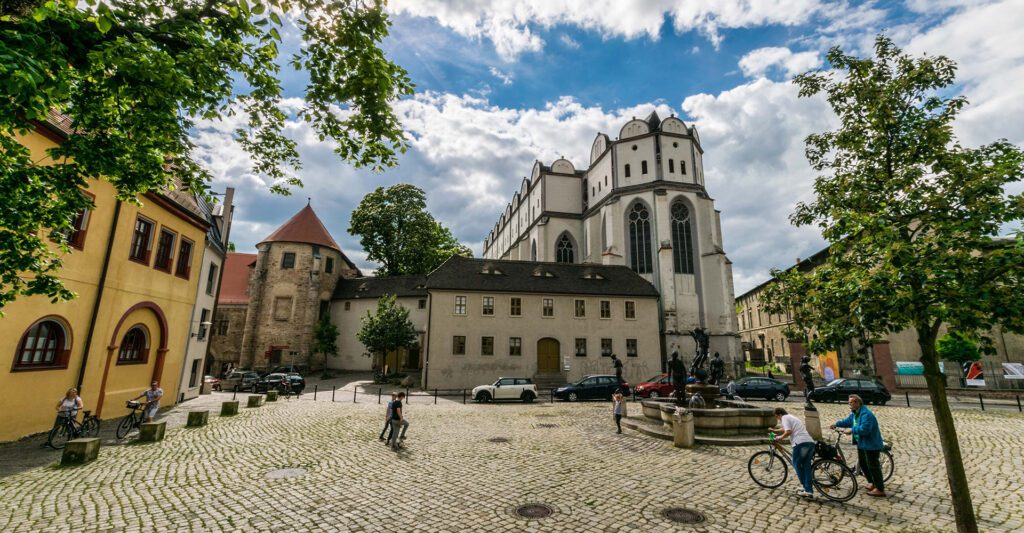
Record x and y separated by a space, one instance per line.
506 79
569 41
511 24
758 62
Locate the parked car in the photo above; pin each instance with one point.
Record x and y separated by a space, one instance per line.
522 389
591 388
758 387
660 385
839 390
213 382
276 381
243 379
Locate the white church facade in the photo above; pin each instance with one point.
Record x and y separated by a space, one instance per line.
641 202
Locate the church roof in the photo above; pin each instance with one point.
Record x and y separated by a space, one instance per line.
463 273
234 286
374 287
304 227
653 121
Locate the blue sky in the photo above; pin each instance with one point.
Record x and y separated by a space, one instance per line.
501 83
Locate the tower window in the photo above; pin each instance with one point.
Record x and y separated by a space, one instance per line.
627 170
671 166
643 167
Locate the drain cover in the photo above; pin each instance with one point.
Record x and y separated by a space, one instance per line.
285 473
534 510
547 425
683 515
498 439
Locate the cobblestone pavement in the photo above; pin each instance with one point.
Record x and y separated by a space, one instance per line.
451 477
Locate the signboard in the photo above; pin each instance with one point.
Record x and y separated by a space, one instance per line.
828 366
913 368
973 374
757 357
1013 370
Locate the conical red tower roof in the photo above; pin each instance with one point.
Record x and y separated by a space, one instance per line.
304 227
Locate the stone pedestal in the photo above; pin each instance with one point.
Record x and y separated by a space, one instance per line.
683 435
198 418
229 408
708 392
271 395
255 401
80 451
205 388
813 423
152 431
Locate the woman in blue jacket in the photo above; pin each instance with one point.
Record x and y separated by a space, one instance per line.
863 426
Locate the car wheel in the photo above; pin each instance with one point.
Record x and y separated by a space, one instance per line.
483 397
780 396
573 397
654 394
527 397
881 402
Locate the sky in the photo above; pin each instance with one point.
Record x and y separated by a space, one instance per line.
502 83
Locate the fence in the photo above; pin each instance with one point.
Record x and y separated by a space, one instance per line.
993 373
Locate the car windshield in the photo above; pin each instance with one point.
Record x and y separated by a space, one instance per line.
835 382
655 379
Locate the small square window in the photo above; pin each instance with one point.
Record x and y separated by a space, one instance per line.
515 346
459 345
630 347
460 305
606 309
631 310
606 347
329 265
488 306
581 309
288 260
348 306
548 307
486 345
422 303
515 307
581 347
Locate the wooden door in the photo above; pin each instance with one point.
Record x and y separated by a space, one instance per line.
547 356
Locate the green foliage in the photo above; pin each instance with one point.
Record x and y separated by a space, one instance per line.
956 347
325 337
396 231
136 75
389 329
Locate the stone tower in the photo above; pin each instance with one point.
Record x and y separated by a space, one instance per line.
290 288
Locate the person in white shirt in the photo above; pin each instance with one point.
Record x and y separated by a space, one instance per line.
803 448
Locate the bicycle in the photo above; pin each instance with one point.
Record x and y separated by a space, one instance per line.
132 420
884 458
770 469
68 427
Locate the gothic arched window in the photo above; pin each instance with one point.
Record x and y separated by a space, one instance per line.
682 240
604 233
640 239
533 251
564 252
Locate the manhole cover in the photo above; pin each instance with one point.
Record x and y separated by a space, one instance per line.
498 439
683 515
534 510
285 473
547 425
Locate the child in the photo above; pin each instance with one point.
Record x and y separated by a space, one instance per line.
618 408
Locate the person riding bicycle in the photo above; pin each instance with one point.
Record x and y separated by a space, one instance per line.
69 405
152 395
863 426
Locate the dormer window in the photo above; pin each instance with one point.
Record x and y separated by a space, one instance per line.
361 288
592 275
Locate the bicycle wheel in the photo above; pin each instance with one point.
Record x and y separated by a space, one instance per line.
768 469
91 427
887 463
125 427
59 436
833 480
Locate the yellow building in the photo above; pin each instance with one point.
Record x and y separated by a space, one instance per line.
136 271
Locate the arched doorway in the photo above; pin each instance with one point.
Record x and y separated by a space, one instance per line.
547 356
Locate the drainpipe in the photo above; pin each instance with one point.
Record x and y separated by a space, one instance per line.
426 338
99 296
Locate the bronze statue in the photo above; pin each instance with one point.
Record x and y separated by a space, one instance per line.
677 373
717 369
805 373
702 339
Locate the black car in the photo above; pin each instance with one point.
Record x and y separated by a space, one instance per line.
839 390
757 387
276 382
591 388
288 369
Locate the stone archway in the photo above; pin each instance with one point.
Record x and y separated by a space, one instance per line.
115 340
548 356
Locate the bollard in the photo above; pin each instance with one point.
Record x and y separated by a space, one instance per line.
233 394
464 397
908 398
379 391
1018 404
435 396
982 401
332 393
314 392
255 401
197 418
229 408
354 390
152 431
408 398
552 391
272 395
80 451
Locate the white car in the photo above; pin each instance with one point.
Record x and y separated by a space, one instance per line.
521 389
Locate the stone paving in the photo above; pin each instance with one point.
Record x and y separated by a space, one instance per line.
450 476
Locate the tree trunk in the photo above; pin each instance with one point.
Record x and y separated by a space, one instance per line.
966 522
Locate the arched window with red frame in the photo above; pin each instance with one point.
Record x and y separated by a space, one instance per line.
44 345
134 346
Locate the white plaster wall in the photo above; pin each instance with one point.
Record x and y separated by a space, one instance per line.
678 150
625 155
195 349
562 194
351 353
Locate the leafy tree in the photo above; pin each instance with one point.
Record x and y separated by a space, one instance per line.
956 347
325 337
135 75
911 217
396 231
388 330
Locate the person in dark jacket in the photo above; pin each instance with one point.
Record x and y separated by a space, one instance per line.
863 426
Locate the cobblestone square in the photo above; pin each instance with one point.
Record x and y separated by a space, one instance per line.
318 466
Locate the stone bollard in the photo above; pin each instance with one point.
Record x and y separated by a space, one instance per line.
813 424
198 418
152 431
80 451
683 435
229 408
255 401
271 395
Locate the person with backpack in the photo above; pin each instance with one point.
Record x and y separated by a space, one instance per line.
863 426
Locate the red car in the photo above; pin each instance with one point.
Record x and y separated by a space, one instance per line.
659 385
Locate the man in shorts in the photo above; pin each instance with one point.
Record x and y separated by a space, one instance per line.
152 395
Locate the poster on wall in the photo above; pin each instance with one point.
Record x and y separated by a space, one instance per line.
913 368
1013 370
973 374
828 366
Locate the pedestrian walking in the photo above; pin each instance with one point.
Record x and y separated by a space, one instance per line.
863 427
398 422
803 448
618 409
387 418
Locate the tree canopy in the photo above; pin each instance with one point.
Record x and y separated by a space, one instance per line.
389 329
396 231
136 76
912 219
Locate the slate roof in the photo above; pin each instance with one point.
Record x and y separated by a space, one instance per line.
304 227
234 286
373 287
462 273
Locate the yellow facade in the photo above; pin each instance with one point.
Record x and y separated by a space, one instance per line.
133 293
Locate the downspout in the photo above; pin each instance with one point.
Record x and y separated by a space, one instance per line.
426 349
99 295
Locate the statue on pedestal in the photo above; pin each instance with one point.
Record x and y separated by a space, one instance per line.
805 373
702 339
677 373
717 369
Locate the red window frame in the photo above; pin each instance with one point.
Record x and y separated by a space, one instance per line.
165 250
142 241
134 348
56 343
184 266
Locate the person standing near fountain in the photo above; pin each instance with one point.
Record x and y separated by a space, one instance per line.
677 373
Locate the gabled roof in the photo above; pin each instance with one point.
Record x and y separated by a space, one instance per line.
374 287
653 121
304 227
463 273
234 286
